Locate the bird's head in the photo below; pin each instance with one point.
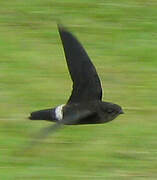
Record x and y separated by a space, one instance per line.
110 110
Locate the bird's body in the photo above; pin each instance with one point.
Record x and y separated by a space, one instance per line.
85 105
96 112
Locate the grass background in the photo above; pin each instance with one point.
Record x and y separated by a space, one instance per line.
121 39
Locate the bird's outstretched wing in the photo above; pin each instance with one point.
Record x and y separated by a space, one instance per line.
44 132
86 83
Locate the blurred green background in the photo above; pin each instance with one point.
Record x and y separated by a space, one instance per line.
121 39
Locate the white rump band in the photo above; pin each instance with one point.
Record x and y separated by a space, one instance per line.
59 112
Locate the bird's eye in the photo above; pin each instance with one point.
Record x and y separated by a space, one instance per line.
110 110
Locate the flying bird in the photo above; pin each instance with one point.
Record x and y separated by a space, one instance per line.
85 105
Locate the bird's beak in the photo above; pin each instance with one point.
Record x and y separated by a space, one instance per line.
121 112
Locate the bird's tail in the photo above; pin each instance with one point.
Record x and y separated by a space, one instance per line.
46 114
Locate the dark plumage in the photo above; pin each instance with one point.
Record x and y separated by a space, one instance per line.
85 105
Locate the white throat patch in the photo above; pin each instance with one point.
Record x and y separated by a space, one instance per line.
59 112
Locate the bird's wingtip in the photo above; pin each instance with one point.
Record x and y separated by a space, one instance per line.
61 28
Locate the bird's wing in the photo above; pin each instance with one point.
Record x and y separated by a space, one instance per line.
44 132
86 83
